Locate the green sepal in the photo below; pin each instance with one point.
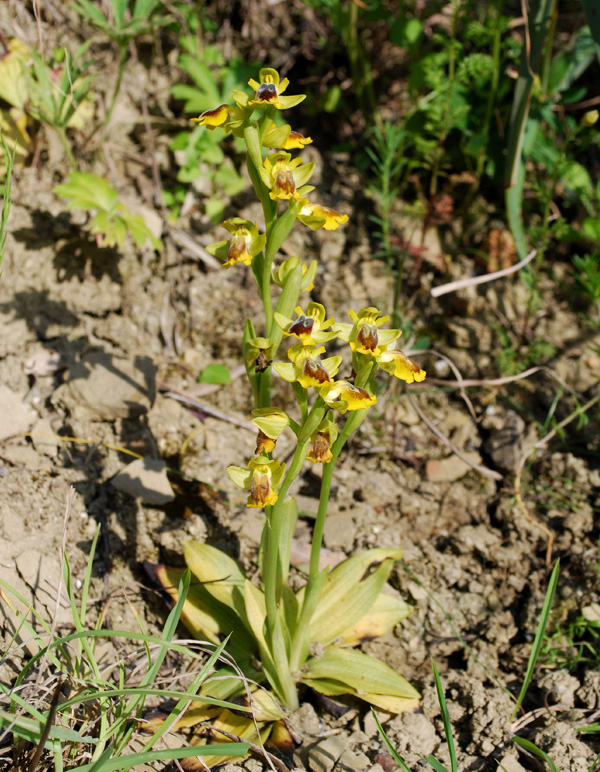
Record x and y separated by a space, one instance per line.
287 300
280 231
253 376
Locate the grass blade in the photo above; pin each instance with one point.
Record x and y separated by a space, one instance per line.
388 744
445 718
166 754
540 13
529 746
539 637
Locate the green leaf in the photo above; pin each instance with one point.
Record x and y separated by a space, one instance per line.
360 672
218 374
539 637
220 575
529 746
592 13
349 593
540 12
232 182
215 209
204 615
87 191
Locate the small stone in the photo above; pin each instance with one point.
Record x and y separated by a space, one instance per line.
510 764
322 756
145 479
339 532
505 444
44 438
449 469
353 761
105 387
16 417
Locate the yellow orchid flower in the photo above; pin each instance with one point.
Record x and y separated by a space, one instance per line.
395 362
260 477
244 244
590 118
322 440
285 177
344 396
268 92
278 273
217 117
364 336
283 137
270 422
316 216
307 368
308 327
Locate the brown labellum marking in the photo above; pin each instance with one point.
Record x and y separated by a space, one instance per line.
368 337
284 182
302 326
357 392
320 447
295 135
261 362
314 369
237 248
264 443
267 92
259 488
213 112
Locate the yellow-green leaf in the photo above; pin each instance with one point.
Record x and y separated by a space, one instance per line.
362 673
347 596
383 616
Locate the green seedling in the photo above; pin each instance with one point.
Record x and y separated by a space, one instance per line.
9 159
123 22
112 220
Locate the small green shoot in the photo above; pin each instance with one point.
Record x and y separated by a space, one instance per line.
539 637
9 159
431 760
112 220
529 746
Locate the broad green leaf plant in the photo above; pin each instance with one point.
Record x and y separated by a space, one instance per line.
279 637
112 220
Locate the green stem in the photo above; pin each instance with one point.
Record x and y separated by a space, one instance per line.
272 569
113 101
66 147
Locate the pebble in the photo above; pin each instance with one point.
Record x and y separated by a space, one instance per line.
449 469
145 479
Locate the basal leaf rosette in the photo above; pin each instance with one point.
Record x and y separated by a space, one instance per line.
317 216
245 243
268 92
261 477
307 368
286 178
364 335
308 327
